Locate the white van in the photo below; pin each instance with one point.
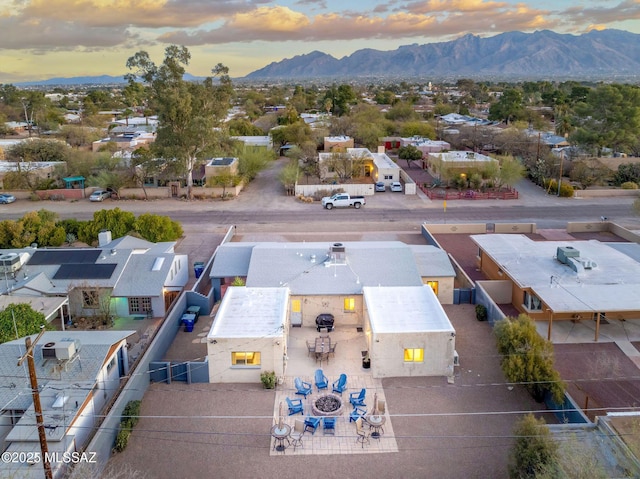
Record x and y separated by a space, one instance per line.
396 186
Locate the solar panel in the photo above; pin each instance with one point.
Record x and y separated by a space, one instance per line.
52 256
84 271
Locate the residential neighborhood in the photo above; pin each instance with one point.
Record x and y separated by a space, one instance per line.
244 325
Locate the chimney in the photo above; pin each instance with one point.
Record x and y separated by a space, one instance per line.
104 238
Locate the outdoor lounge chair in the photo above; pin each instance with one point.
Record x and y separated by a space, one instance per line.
311 422
356 414
329 425
311 348
297 433
340 385
302 387
357 399
321 380
363 436
295 406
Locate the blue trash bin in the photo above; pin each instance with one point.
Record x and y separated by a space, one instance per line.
198 269
188 325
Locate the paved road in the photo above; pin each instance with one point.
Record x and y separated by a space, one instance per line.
263 205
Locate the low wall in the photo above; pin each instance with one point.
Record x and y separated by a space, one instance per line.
471 228
522 228
498 290
591 226
352 189
410 187
494 313
606 193
61 194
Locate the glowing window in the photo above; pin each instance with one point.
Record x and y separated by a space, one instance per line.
295 306
434 286
349 305
414 355
245 358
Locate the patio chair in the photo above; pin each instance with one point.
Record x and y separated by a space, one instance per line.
332 349
363 436
312 423
329 425
321 380
297 433
295 406
357 399
302 387
340 385
357 413
311 348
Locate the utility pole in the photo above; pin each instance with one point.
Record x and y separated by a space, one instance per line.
36 401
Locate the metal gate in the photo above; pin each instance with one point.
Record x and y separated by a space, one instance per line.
463 295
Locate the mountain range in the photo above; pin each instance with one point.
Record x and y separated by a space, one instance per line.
542 54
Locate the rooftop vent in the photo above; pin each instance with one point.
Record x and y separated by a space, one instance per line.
563 253
337 254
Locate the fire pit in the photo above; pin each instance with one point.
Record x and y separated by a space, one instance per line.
327 405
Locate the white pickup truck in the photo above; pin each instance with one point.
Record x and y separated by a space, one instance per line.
342 200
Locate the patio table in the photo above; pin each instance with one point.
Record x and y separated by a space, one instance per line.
323 346
376 423
281 434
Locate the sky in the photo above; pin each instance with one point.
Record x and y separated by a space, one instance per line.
42 39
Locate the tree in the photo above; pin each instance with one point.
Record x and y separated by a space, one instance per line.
534 451
117 221
527 358
409 153
252 160
627 172
38 150
157 228
224 180
19 320
144 165
288 176
508 107
188 112
511 171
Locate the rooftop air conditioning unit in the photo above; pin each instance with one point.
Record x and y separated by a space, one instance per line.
66 349
10 263
49 351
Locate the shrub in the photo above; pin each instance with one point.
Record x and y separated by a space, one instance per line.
268 379
535 452
122 439
629 185
481 312
131 414
566 190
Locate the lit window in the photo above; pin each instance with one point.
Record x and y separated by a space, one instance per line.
295 306
434 286
349 305
414 355
250 358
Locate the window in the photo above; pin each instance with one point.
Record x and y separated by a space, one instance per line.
349 305
111 364
90 299
139 305
414 355
388 177
295 306
532 302
434 286
245 358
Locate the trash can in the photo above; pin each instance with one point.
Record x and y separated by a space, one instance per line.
198 268
366 362
188 325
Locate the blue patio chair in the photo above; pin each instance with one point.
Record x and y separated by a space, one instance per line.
295 406
357 399
311 422
329 425
321 380
357 413
302 387
340 385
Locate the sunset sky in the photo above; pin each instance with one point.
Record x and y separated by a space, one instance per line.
63 38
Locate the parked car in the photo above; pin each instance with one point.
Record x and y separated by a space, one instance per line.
380 186
100 195
396 186
6 198
342 200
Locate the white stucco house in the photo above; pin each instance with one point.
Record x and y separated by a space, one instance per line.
362 284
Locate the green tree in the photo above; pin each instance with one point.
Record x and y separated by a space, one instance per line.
409 153
188 112
243 127
19 320
527 358
288 176
627 172
508 107
157 228
117 221
252 160
224 180
534 452
511 171
38 150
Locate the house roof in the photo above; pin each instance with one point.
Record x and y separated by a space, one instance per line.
155 269
307 269
251 313
414 309
611 284
232 259
432 261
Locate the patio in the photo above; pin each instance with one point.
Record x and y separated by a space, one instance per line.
348 360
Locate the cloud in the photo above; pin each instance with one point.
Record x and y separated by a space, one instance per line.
284 24
579 17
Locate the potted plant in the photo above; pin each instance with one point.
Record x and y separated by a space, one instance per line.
366 361
268 379
481 312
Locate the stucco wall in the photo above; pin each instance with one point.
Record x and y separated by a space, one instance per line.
445 288
471 228
222 371
387 354
498 290
361 189
312 306
605 193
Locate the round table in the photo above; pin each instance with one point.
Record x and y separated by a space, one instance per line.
280 434
376 422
